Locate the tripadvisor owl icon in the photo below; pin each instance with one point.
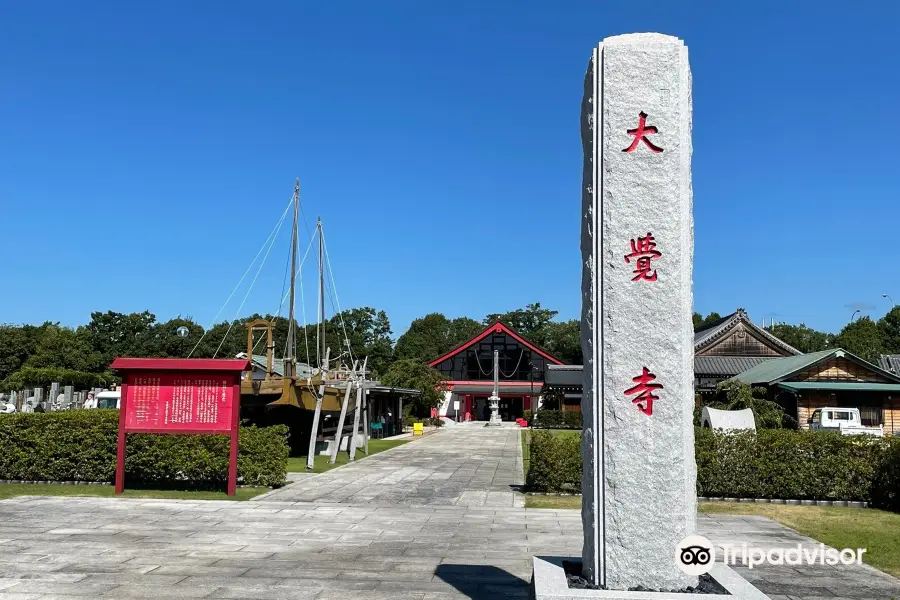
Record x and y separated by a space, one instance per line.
695 555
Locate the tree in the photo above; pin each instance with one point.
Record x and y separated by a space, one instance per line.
369 333
413 374
700 320
863 338
531 322
562 339
17 343
64 348
29 377
889 325
802 337
113 334
737 395
434 335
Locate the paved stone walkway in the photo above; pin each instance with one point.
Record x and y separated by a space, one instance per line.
461 465
66 548
332 547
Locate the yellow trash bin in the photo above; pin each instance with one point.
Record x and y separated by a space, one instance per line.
417 429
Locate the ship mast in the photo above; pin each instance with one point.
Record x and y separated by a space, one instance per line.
320 328
290 369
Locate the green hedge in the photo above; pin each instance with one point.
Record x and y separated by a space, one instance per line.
780 463
555 462
770 463
80 445
557 419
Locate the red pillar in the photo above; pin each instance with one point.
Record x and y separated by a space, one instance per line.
235 425
120 450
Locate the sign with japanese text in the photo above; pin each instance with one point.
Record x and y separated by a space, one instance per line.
175 401
179 396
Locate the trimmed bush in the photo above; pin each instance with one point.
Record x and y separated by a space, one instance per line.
886 483
557 419
770 463
555 462
80 445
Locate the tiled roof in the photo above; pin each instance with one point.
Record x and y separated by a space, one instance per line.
890 362
777 369
707 334
726 365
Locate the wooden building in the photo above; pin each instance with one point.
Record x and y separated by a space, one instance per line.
732 345
801 384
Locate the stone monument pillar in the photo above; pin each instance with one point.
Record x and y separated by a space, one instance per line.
639 496
494 400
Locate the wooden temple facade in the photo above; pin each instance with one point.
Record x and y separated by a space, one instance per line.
730 346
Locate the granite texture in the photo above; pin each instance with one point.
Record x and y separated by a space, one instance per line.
647 460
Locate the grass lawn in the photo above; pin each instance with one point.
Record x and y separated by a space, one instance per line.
526 451
876 530
297 464
11 490
569 502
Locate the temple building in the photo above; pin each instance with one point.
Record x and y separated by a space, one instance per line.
830 379
469 373
731 345
722 350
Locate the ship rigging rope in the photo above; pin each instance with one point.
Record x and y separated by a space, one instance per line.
250 289
285 296
244 276
336 299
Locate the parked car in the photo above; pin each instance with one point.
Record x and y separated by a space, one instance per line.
105 399
845 420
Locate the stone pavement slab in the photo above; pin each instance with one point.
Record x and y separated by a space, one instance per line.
272 550
466 464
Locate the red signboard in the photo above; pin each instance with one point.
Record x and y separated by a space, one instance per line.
179 396
170 402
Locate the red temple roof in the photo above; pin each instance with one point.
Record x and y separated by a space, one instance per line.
497 327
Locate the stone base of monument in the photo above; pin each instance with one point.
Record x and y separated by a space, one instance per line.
549 582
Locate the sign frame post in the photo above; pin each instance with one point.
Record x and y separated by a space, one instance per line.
222 369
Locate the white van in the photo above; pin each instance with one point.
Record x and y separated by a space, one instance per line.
104 399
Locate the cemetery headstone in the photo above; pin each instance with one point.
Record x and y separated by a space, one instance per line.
639 495
69 396
52 398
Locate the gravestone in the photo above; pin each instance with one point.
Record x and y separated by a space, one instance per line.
38 398
639 495
69 397
52 398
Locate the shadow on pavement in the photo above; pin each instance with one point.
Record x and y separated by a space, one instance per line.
483 582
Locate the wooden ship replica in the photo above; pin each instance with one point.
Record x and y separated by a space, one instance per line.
313 401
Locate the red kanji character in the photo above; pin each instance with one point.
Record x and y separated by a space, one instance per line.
644 390
644 248
641 134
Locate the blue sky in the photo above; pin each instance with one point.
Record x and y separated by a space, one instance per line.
148 150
